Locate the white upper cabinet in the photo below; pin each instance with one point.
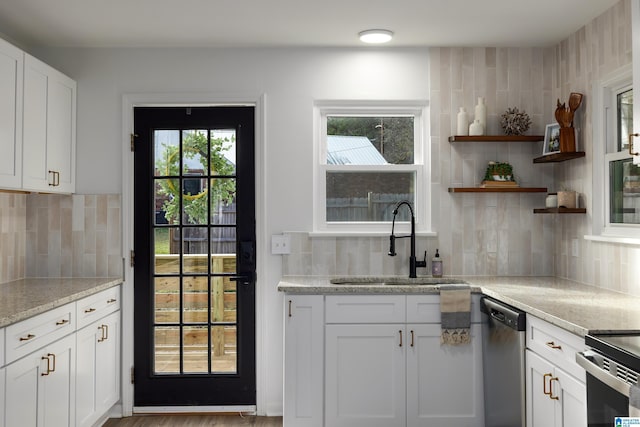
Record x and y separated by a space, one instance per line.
11 72
49 132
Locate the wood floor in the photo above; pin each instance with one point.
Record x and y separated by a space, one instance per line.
194 421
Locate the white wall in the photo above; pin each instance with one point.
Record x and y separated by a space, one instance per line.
291 79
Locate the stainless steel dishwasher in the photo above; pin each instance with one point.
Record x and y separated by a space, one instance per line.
503 346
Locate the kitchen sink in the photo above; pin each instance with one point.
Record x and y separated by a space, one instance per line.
396 280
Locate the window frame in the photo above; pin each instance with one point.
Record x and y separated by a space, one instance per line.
605 138
421 165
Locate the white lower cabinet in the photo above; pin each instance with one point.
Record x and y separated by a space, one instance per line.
40 387
97 369
444 382
304 360
2 399
375 360
365 375
556 394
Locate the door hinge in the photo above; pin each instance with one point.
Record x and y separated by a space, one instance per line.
132 257
133 141
133 375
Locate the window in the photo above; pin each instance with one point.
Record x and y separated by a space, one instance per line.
368 159
616 179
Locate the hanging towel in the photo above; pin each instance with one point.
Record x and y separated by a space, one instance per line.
634 401
455 312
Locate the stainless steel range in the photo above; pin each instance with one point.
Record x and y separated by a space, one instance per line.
612 363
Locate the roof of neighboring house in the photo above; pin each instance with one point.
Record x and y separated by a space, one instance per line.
352 150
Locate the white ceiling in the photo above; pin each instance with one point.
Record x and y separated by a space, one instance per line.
261 23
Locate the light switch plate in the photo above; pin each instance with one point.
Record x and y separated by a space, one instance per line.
280 244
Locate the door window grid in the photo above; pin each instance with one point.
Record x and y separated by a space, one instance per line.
180 345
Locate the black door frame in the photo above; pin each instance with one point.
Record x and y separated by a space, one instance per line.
252 348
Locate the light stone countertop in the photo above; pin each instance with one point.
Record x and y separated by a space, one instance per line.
21 299
576 307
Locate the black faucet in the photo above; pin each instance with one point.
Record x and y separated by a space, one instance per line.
413 263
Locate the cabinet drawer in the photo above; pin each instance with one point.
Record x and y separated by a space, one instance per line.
426 308
365 308
556 345
28 335
97 306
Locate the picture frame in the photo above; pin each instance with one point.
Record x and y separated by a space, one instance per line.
551 139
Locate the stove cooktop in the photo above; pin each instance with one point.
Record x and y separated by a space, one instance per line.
624 348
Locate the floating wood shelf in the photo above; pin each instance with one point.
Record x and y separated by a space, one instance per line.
497 138
497 190
559 157
560 210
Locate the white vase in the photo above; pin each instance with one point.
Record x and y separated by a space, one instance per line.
463 122
475 128
481 114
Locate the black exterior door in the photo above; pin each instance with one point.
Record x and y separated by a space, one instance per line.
195 256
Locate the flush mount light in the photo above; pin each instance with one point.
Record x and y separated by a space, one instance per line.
375 36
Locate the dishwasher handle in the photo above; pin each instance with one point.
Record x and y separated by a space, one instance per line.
587 359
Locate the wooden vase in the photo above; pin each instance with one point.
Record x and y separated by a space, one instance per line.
567 140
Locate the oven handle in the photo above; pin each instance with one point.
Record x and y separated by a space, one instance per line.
584 359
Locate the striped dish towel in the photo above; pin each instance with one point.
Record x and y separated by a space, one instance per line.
455 312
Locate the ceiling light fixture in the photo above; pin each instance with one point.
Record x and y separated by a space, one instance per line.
375 36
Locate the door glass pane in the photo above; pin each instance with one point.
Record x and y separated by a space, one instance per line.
624 179
195 249
224 349
195 300
167 349
166 147
223 205
223 152
625 118
166 242
165 207
351 195
167 299
195 356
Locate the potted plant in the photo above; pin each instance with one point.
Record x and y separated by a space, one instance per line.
499 171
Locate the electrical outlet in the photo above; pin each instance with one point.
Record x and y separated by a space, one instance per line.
575 247
280 244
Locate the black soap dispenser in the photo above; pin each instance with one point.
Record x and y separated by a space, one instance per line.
436 265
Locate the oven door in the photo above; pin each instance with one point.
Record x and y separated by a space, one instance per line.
607 396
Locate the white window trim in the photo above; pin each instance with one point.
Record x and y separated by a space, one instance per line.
422 208
603 115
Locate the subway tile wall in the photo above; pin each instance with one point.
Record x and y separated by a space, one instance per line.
13 212
73 235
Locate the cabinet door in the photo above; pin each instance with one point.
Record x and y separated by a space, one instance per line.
97 369
49 136
40 387
61 131
11 75
572 402
444 382
540 406
303 361
2 399
365 375
34 161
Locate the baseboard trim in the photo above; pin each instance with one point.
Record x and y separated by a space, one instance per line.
235 410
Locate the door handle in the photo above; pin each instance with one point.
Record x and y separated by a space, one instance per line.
244 279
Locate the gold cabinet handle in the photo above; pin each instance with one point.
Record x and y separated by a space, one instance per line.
90 310
111 301
412 338
105 333
28 337
551 396
62 322
51 363
544 384
631 135
290 308
400 332
554 346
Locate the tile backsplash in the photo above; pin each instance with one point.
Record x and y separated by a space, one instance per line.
73 235
49 235
13 213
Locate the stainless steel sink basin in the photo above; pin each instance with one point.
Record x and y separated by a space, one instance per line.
396 280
